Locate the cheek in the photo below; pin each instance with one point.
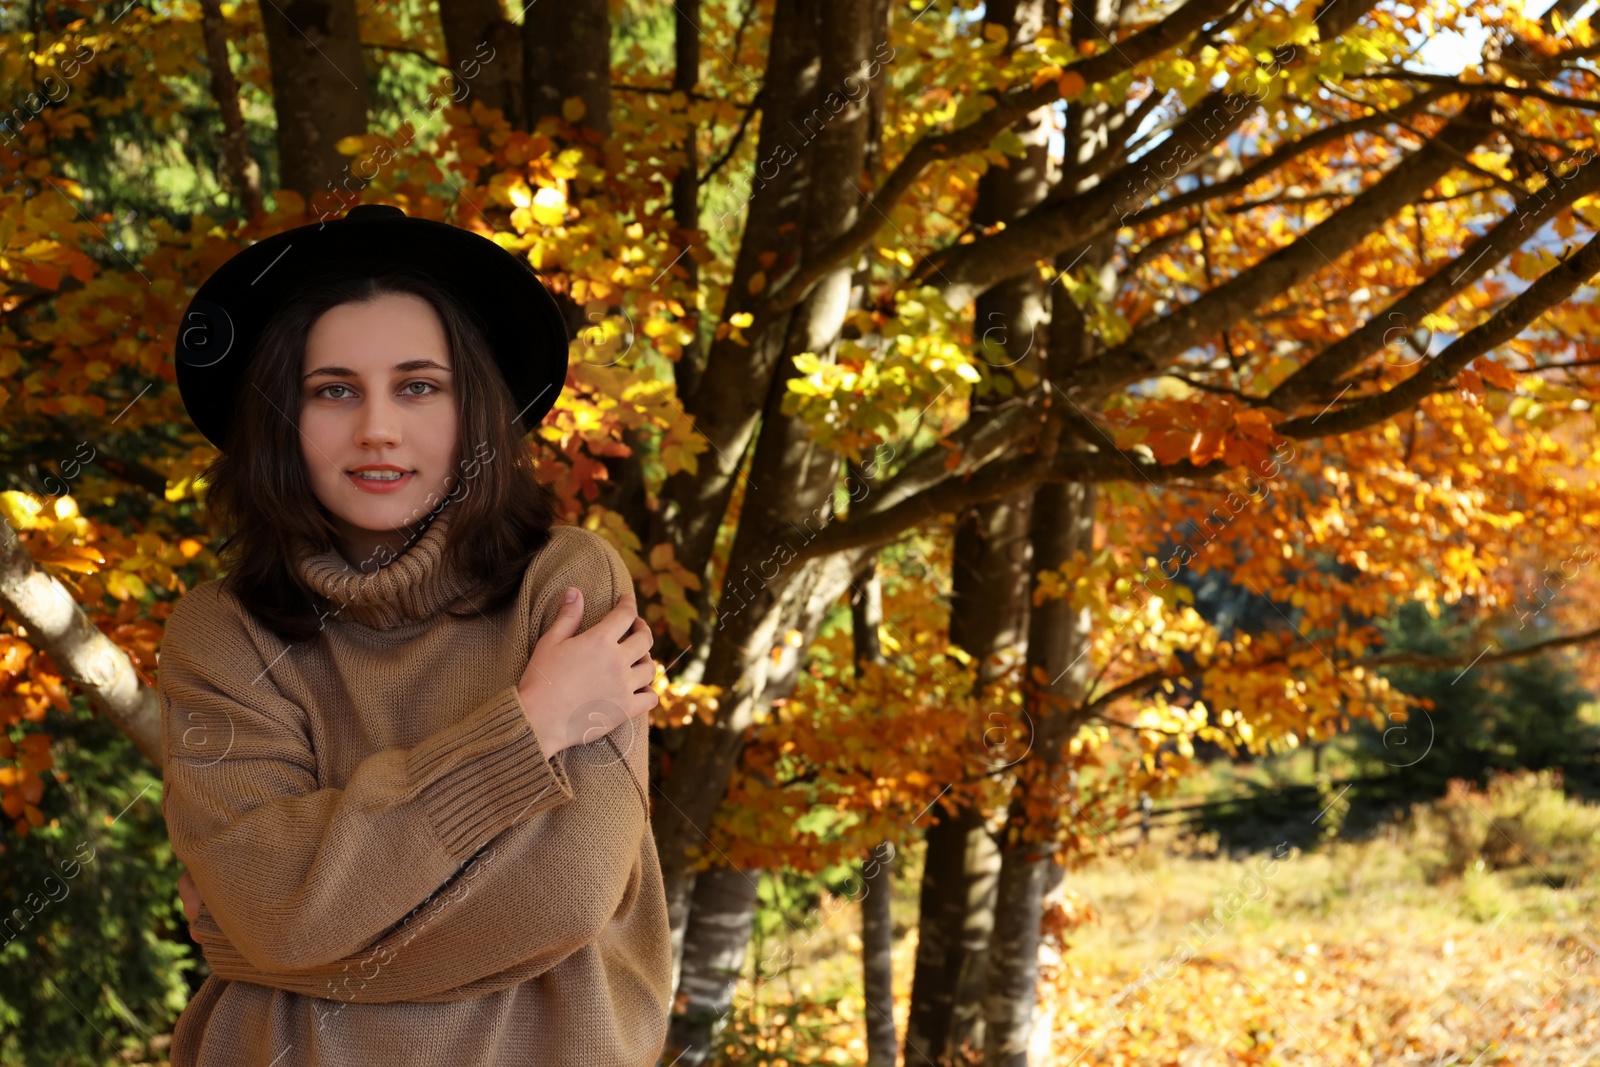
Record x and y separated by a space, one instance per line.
435 437
316 446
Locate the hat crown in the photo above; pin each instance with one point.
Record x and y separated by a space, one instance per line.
373 213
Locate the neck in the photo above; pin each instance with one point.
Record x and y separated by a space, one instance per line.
367 550
412 584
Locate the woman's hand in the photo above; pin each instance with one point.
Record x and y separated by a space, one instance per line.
579 687
189 893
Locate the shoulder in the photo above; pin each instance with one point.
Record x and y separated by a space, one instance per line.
209 631
574 556
579 552
204 617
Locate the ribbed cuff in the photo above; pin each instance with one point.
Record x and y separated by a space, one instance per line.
220 954
485 774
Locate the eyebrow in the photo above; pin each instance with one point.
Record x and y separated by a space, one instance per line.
410 364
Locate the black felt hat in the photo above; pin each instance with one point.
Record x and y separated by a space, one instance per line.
520 318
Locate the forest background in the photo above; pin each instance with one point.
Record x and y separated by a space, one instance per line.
1012 416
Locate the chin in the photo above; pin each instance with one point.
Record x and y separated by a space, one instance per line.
375 513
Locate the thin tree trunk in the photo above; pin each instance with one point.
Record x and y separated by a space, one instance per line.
566 52
686 184
485 50
877 955
877 920
319 94
989 585
727 397
714 949
53 622
1058 632
241 175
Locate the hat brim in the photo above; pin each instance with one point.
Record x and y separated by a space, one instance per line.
217 335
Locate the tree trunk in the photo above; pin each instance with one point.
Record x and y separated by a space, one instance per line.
686 184
566 52
877 919
50 620
792 482
714 947
727 396
1058 631
319 94
866 615
485 48
955 912
241 176
988 613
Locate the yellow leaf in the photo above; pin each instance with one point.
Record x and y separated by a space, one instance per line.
572 109
758 281
549 206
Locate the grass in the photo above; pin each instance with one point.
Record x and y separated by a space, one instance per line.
1464 931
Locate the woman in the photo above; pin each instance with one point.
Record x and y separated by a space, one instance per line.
405 736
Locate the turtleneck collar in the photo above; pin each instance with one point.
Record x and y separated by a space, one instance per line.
413 586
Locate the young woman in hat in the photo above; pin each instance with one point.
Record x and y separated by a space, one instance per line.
405 735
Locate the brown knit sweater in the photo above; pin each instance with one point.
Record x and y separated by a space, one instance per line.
393 871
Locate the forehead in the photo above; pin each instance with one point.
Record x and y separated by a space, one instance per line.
383 331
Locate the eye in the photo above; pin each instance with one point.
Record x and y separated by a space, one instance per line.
324 391
430 385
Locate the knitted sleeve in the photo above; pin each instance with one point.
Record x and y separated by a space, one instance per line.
296 874
539 892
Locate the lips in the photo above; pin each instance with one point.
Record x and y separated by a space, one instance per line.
380 477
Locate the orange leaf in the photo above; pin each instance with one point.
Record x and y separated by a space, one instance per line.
1071 84
1254 423
1497 374
1170 446
42 276
1207 446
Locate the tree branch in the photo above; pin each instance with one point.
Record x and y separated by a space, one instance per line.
57 626
976 135
1267 164
1317 376
1151 347
1554 286
1458 86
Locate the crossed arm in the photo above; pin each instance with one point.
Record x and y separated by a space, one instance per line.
362 892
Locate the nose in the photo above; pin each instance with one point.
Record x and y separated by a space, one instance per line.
377 425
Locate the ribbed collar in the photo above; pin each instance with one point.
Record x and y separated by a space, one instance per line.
413 586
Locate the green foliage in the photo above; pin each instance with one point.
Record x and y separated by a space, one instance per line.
1522 714
97 966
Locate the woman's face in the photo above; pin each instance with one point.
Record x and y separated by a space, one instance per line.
378 419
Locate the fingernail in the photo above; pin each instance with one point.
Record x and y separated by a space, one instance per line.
572 593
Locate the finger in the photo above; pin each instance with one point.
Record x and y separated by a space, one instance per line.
567 619
619 620
638 644
642 674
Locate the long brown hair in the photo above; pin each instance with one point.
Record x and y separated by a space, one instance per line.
260 494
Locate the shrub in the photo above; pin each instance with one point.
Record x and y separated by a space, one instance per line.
96 959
